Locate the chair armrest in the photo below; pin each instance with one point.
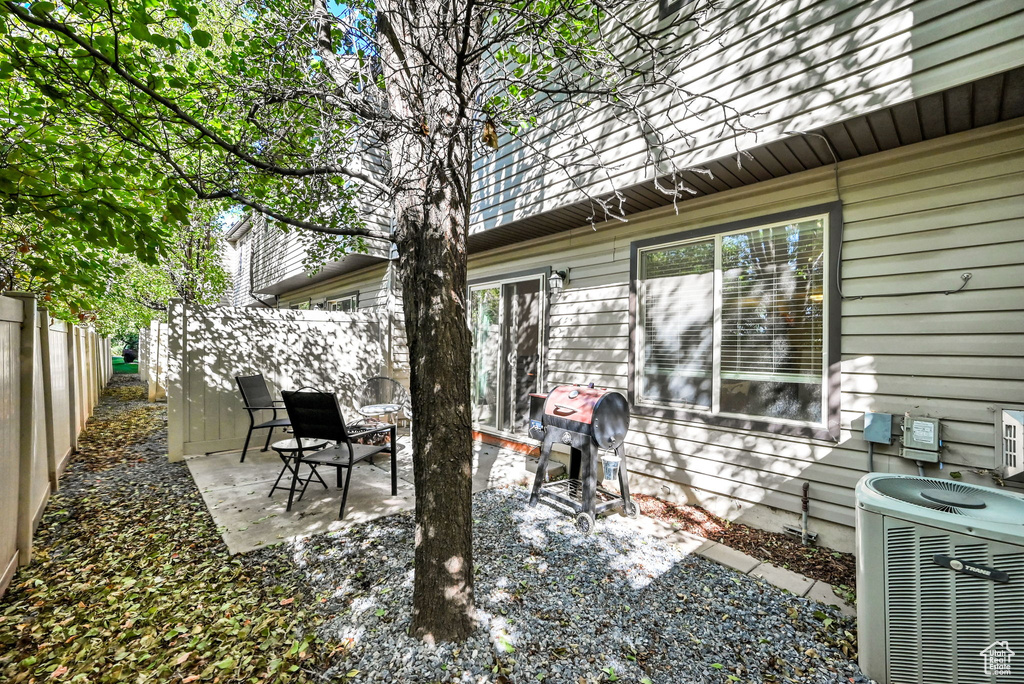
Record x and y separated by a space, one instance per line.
263 408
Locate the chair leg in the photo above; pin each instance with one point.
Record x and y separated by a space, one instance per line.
344 493
394 460
270 433
245 448
291 490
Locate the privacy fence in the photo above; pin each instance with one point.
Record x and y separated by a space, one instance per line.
207 347
153 359
51 374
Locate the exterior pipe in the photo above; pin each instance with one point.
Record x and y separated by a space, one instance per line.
803 504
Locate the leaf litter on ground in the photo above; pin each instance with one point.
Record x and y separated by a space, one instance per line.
130 580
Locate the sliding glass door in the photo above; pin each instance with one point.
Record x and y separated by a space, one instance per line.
506 322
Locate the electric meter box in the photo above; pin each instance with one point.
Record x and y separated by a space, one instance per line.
921 434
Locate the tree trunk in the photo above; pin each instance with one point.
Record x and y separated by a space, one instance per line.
433 272
431 167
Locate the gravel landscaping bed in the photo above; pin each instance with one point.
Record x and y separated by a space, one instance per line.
559 607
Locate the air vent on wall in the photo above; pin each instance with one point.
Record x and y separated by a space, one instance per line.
953 497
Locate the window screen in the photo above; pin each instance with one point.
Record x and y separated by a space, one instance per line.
772 321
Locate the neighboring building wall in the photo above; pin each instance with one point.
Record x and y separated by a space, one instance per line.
786 65
915 219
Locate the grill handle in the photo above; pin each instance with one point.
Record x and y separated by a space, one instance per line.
562 408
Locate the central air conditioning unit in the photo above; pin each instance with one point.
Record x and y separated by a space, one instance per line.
940 581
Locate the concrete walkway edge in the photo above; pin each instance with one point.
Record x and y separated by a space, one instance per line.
790 581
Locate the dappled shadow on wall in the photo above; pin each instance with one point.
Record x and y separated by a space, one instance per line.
291 349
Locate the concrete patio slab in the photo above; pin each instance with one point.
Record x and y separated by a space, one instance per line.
237 493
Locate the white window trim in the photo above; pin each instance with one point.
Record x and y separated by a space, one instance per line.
354 298
716 379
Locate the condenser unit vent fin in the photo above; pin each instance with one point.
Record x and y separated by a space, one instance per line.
953 497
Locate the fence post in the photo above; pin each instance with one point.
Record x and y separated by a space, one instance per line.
44 357
176 381
72 388
152 359
26 424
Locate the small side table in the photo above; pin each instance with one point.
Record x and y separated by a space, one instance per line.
288 450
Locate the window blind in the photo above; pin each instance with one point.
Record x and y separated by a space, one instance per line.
773 304
678 303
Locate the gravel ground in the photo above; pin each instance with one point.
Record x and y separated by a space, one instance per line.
558 607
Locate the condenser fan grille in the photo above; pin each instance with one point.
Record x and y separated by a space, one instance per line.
952 497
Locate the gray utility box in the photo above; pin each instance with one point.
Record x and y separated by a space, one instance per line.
878 428
921 439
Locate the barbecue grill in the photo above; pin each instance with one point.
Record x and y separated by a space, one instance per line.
587 419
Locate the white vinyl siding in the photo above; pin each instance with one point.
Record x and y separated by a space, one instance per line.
785 65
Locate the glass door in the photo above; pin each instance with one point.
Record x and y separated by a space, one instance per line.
485 323
507 344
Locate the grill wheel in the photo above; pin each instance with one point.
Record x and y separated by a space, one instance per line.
585 522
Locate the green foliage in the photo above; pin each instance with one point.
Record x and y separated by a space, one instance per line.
169 99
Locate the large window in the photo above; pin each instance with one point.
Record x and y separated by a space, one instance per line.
734 323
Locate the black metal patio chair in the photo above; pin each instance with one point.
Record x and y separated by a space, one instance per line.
317 416
256 397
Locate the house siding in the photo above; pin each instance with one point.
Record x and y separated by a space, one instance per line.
915 219
785 65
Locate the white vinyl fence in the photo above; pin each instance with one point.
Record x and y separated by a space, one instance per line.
153 359
209 346
50 379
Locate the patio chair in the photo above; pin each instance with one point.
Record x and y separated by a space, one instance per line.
317 415
384 396
256 397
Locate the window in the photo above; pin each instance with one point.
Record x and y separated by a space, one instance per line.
733 322
506 320
347 303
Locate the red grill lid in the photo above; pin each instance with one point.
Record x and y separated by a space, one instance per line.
573 402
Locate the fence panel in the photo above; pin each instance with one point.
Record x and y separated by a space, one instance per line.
50 378
60 393
153 364
209 346
10 441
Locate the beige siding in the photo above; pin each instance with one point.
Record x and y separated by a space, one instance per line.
915 219
784 65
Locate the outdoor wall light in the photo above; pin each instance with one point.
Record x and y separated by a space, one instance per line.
556 281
